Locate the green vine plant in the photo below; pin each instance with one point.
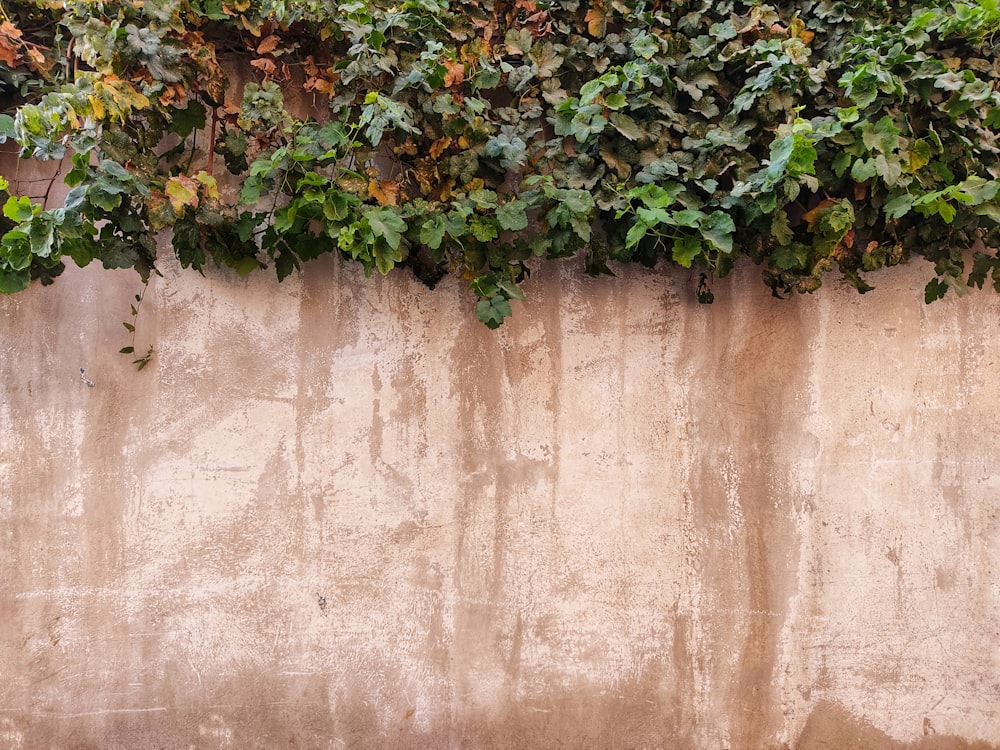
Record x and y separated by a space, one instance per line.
478 137
141 362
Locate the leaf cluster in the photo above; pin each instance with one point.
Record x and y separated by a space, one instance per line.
472 136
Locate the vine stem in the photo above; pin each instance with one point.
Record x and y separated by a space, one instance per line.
211 141
139 362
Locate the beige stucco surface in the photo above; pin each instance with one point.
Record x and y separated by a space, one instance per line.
340 513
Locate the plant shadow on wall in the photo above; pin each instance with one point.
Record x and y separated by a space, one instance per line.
472 136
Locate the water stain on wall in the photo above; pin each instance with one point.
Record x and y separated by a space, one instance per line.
341 513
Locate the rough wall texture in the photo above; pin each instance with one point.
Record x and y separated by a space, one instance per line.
341 513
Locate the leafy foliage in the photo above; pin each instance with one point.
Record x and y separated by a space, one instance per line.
474 135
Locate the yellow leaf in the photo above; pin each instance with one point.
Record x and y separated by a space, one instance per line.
97 107
250 25
161 213
797 28
919 157
446 188
211 185
119 97
182 191
437 148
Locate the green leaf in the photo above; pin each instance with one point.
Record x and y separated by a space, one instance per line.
617 100
847 115
512 216
492 311
685 250
336 205
920 155
185 121
12 281
635 233
989 210
103 199
284 263
718 229
19 209
115 170
42 238
780 152
882 137
685 218
512 290
284 217
863 170
245 266
6 127
723 31
898 207
432 232
646 46
702 45
626 126
483 228
387 224
15 250
791 256
935 290
386 257
780 229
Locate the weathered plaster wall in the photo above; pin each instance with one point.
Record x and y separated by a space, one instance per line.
341 513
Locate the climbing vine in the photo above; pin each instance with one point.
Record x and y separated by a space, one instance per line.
472 136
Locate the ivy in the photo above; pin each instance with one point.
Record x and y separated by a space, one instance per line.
473 137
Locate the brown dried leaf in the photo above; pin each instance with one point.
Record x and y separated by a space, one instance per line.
173 92
265 66
597 21
437 148
9 30
319 84
9 54
446 189
37 61
268 44
813 214
455 74
386 192
10 37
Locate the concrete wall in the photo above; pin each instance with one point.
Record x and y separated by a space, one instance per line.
340 513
